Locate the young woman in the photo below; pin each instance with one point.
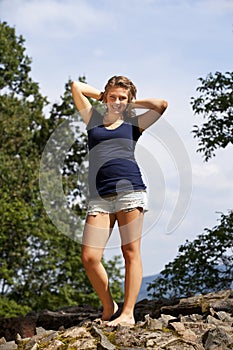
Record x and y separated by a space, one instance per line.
117 191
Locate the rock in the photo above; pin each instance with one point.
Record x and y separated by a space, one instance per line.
55 320
183 308
73 328
128 336
180 344
11 345
166 319
212 320
10 327
224 316
217 338
57 344
198 328
191 318
75 332
104 343
78 338
223 305
181 330
152 324
201 304
40 331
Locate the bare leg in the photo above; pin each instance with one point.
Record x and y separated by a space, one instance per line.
130 225
96 234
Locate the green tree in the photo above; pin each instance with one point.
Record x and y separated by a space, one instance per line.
21 116
39 266
201 266
215 104
205 264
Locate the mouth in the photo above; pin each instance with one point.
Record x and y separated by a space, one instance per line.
116 108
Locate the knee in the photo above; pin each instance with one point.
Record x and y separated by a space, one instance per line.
129 254
89 260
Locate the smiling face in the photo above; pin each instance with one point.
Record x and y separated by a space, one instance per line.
117 100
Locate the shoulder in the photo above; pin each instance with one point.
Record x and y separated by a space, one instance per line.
96 118
134 122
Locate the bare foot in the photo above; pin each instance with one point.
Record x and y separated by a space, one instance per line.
122 319
108 312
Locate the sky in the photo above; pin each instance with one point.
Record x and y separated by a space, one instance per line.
163 46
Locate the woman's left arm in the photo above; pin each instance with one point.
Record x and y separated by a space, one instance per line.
156 108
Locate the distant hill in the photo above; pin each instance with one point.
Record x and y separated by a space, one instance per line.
143 291
148 279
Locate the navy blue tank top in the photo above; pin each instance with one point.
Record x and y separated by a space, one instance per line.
112 165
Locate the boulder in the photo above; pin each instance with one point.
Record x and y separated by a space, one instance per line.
203 322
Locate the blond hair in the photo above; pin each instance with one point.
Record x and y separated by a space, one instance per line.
123 82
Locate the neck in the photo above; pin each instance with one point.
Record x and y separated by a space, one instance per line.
112 118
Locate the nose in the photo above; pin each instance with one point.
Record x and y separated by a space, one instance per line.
117 100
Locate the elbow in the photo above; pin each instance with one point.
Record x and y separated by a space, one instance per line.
75 88
73 84
164 105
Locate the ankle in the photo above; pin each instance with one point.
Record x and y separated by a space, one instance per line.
128 312
109 305
109 311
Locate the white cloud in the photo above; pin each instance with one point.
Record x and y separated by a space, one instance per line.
216 6
55 19
215 175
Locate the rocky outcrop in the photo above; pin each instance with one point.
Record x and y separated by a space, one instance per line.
66 317
198 323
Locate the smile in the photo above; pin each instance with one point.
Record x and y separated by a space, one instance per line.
116 107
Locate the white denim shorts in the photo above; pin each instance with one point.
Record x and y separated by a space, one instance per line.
126 201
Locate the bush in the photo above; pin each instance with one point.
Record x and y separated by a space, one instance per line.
9 308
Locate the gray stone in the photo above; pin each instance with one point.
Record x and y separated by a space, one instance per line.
216 337
30 344
152 324
191 318
212 320
180 344
104 343
166 319
11 345
224 316
35 347
55 345
76 332
82 344
40 331
211 329
180 329
223 305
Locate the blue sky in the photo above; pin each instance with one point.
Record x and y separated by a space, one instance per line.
164 46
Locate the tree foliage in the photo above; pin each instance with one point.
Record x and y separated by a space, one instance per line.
205 264
201 266
215 104
39 266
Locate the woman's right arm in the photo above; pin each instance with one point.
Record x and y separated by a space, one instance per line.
81 92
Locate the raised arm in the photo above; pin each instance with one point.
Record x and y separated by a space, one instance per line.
81 92
156 108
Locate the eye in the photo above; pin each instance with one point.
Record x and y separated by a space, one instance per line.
123 98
